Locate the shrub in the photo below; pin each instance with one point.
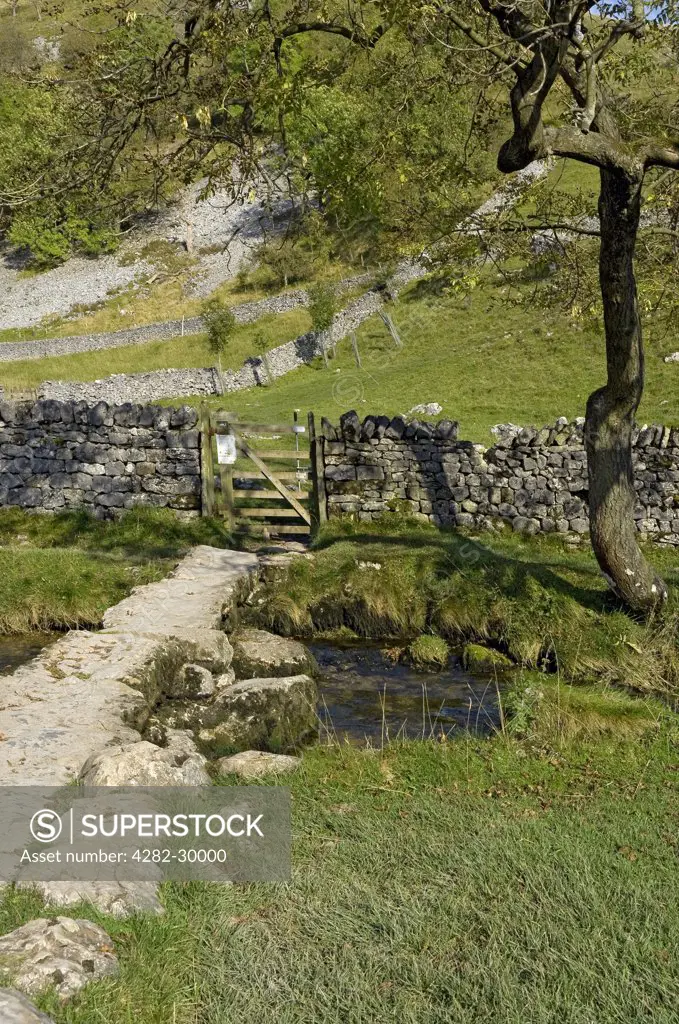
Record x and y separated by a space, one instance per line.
286 262
262 349
321 307
220 323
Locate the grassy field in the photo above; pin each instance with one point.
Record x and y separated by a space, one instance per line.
66 570
485 363
473 881
191 350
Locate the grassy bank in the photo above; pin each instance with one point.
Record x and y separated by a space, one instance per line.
66 570
484 881
478 361
536 599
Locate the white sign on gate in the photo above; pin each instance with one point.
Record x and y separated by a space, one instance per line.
226 449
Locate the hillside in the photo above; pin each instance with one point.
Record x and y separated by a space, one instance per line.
485 362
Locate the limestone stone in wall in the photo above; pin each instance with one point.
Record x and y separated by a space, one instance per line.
59 455
534 480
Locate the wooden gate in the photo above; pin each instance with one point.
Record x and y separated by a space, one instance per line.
270 485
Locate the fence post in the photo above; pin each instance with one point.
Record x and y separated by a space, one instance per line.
207 469
389 324
318 504
354 345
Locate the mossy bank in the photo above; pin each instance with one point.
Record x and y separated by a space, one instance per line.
540 603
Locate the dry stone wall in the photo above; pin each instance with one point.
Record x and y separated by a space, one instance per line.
157 384
535 480
246 313
60 455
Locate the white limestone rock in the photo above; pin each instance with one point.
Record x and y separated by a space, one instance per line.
63 952
144 764
253 764
15 1008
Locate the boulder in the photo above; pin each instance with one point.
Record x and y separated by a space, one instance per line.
425 409
253 764
477 658
195 682
258 654
273 714
15 1008
144 764
119 899
62 952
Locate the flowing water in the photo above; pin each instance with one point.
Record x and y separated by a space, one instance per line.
16 650
365 696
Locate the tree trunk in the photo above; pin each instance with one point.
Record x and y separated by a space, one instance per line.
611 409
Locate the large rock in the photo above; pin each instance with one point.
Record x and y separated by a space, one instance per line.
274 714
253 764
485 660
119 899
62 952
258 654
144 764
15 1008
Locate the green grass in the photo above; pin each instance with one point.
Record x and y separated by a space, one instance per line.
490 363
65 570
189 351
535 599
486 881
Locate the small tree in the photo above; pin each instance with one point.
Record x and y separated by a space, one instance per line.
322 309
220 323
262 349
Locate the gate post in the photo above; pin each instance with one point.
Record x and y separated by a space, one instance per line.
207 469
318 503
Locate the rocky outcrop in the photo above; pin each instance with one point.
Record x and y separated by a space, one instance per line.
144 764
15 1008
119 899
257 653
62 952
264 714
254 764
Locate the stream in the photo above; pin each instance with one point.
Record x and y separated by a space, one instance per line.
366 696
16 650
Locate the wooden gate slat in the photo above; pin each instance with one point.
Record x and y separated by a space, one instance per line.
273 495
301 511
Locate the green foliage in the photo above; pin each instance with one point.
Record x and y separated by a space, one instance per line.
322 307
544 605
285 261
548 711
220 323
429 651
477 658
53 235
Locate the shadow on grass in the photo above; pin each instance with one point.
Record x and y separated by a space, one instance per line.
457 553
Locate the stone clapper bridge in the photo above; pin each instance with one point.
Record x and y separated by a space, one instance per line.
78 710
